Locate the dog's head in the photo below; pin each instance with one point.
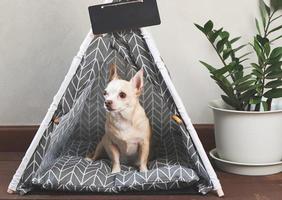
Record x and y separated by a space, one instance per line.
121 94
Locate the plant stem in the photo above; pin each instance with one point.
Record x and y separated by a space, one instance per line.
268 25
276 18
264 65
222 60
269 103
249 107
257 108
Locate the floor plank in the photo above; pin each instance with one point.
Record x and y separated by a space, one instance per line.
235 187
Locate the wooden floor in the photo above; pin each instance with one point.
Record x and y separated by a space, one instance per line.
235 187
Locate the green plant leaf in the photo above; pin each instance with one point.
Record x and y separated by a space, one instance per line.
235 40
209 67
240 47
241 61
275 29
274 61
239 71
277 38
274 75
264 7
274 84
226 88
276 18
224 35
245 85
230 101
276 4
208 26
225 69
249 93
262 40
220 45
244 55
227 53
243 79
200 28
276 53
267 48
275 67
257 73
259 51
264 12
214 35
255 100
258 27
223 79
257 67
274 93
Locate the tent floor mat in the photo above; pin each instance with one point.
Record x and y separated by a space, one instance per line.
235 187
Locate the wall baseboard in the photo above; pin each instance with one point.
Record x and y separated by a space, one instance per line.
18 138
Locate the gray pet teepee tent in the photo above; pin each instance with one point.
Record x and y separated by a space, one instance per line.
55 158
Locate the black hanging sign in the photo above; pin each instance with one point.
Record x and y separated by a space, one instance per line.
124 15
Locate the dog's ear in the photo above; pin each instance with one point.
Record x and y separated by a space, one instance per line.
138 82
113 72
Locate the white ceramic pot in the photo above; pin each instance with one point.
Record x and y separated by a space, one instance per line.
247 137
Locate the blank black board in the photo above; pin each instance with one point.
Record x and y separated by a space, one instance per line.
113 17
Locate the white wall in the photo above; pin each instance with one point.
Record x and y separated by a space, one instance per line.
39 38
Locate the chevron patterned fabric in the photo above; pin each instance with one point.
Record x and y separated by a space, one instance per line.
58 162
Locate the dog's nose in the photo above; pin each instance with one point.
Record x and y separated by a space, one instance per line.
108 103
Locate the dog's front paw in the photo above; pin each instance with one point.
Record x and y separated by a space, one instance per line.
116 169
88 159
143 168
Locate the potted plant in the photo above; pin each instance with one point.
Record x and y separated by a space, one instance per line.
248 117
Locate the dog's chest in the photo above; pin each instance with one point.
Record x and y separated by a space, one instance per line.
127 138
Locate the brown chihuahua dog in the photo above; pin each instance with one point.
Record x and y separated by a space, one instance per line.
127 129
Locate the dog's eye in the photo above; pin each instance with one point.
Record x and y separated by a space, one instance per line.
122 95
105 93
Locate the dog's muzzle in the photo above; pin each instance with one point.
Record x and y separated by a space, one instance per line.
108 105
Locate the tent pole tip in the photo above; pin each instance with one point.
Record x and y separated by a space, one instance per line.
10 191
220 192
